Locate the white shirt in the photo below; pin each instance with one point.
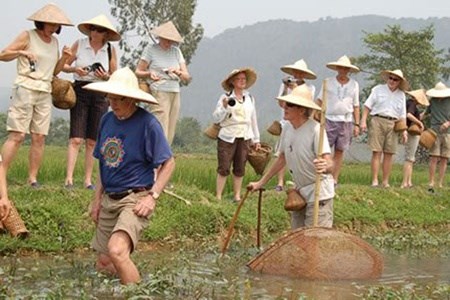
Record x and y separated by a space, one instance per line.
86 56
341 99
300 147
237 121
382 101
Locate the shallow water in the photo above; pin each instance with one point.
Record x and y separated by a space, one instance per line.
228 277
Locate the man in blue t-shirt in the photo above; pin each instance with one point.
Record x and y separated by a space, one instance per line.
130 146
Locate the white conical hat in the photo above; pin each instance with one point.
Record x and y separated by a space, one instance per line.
299 65
51 14
100 21
167 31
300 96
440 90
343 61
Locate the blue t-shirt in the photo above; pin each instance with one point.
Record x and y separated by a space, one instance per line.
129 150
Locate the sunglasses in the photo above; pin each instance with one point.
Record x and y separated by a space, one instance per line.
290 105
394 78
98 29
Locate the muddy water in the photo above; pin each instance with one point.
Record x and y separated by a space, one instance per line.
229 278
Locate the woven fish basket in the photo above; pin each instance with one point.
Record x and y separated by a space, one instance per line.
294 200
274 128
14 223
259 159
400 126
212 131
427 138
414 129
143 85
63 94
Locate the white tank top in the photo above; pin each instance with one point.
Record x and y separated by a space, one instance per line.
86 56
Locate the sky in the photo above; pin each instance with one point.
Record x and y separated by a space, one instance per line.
215 16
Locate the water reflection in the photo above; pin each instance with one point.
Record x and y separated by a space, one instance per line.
39 275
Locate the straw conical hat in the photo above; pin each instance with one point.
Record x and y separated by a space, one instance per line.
300 96
249 73
419 96
404 85
343 61
51 14
167 31
100 21
299 65
440 90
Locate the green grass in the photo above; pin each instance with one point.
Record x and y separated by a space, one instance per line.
58 219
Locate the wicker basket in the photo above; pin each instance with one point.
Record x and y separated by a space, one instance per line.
427 138
259 159
14 223
143 85
294 200
212 131
63 95
414 129
275 128
400 126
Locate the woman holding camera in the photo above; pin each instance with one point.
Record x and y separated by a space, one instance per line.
236 113
93 59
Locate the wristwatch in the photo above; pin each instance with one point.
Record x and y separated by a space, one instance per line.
154 195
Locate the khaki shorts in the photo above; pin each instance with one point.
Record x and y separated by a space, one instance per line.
441 146
30 111
411 147
118 215
382 137
305 217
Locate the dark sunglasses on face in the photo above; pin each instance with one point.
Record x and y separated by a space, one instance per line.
394 78
290 105
98 29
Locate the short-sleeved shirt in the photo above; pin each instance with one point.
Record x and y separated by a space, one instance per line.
160 60
439 110
129 150
300 147
382 101
341 99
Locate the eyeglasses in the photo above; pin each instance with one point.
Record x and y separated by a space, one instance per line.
98 29
394 78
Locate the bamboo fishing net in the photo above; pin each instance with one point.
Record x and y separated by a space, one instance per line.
320 254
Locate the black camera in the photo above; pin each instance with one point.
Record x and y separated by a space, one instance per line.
94 67
32 66
231 101
289 80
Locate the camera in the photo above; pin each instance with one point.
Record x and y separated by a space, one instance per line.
289 80
94 67
231 101
32 66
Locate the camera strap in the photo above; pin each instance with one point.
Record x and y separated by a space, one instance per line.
109 56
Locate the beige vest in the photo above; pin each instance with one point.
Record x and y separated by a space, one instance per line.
47 55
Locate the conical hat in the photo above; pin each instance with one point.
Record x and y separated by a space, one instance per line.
122 82
439 91
51 14
419 96
404 85
343 61
299 65
167 31
300 96
100 21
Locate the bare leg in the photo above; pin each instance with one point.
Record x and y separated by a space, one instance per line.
432 170
119 247
105 265
338 158
10 148
35 156
407 173
387 167
220 185
89 162
442 168
375 165
72 154
237 185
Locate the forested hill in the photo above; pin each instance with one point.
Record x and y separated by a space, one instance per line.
266 46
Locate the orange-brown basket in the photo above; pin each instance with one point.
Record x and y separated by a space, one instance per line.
414 129
259 159
400 126
274 128
212 131
294 200
63 94
427 138
14 223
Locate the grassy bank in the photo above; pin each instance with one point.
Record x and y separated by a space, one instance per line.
394 219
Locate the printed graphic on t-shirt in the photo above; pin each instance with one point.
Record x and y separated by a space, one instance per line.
112 152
